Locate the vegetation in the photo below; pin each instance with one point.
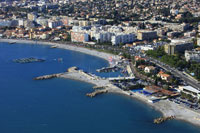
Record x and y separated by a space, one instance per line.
188 18
159 52
187 96
176 61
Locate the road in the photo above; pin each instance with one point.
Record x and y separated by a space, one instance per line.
176 73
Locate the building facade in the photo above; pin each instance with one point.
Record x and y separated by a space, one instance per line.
192 55
178 47
79 37
146 35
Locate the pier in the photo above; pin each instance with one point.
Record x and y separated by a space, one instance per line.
163 119
108 69
96 92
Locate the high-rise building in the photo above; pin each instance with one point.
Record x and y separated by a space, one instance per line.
178 47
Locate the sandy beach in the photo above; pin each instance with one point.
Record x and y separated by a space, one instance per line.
102 55
166 107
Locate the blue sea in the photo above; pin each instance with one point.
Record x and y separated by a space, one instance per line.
60 105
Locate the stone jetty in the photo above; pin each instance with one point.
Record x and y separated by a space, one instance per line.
48 76
163 119
96 92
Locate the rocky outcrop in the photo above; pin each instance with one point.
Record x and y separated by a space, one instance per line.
163 119
97 92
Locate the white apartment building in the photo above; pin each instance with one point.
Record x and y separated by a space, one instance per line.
102 37
192 55
54 24
122 38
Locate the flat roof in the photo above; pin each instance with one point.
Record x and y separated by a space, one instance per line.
190 88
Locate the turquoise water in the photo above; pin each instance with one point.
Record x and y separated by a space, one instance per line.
60 105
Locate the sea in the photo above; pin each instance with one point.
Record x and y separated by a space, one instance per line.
60 105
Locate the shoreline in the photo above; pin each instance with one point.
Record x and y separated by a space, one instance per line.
70 46
166 108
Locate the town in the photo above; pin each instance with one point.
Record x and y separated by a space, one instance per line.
158 41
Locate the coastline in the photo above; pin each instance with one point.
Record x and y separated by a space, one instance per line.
91 52
165 107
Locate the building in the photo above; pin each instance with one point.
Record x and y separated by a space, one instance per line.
54 24
146 35
198 41
173 34
122 38
149 69
146 47
138 58
192 55
178 47
21 22
178 27
101 37
79 37
42 21
190 90
84 23
190 34
164 76
152 89
141 67
31 16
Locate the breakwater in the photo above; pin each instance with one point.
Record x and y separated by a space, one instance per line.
48 76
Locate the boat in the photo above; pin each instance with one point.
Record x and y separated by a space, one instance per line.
54 46
12 42
60 59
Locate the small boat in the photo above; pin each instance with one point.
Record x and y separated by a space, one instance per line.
12 42
60 59
54 46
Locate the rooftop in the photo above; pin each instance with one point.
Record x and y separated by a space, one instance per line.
190 88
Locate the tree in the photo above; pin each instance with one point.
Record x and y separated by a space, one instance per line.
166 87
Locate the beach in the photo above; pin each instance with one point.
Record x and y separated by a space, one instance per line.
102 55
166 107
